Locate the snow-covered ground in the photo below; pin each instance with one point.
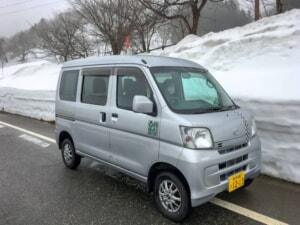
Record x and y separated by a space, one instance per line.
29 89
257 64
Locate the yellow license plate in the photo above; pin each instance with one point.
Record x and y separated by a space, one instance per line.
236 181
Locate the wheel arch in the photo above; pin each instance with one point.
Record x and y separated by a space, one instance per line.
162 167
62 136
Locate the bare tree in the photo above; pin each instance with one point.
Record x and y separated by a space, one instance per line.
110 19
258 8
64 36
222 16
170 9
20 45
179 30
84 44
263 8
3 57
146 23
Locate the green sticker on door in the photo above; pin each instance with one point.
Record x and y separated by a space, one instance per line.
153 128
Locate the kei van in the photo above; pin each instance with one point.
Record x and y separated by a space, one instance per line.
164 121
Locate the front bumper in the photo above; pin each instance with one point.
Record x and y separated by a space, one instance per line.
207 171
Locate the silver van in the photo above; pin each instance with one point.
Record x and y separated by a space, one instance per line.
164 121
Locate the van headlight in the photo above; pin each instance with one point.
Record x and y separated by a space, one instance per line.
253 127
196 138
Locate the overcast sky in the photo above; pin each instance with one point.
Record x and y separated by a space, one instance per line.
17 15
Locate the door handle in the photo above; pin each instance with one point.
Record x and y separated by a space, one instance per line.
114 117
102 117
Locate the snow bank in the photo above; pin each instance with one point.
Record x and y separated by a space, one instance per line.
256 61
41 75
39 104
29 89
257 64
278 126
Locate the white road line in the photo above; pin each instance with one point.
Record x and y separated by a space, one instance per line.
246 212
29 132
1 126
227 205
34 140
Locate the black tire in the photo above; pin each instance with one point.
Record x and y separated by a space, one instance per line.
70 158
171 197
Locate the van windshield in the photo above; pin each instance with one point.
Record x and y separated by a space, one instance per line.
191 91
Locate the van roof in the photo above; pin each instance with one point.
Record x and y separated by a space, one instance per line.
145 60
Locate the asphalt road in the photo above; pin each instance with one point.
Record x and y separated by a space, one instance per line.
36 188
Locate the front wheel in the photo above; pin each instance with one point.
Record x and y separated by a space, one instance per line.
171 197
70 158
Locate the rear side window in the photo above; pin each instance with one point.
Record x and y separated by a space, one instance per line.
68 85
94 90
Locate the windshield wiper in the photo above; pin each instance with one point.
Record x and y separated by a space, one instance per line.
214 109
211 109
220 108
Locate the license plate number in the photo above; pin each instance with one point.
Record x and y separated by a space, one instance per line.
236 181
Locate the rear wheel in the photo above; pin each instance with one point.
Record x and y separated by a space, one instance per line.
70 158
171 197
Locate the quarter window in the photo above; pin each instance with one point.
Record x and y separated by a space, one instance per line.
68 85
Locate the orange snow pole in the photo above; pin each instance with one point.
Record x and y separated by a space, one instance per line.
127 42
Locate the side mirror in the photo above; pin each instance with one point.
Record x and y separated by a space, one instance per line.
142 104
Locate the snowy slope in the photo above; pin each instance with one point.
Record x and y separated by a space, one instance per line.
257 64
250 61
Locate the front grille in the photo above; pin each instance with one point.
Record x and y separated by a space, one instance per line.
225 176
230 149
232 162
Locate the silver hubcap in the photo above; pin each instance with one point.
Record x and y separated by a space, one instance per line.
169 196
68 153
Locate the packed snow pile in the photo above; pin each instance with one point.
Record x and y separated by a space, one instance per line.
29 89
259 60
257 64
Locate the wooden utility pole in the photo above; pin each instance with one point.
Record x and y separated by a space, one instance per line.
256 10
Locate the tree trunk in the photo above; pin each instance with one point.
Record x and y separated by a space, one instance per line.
115 47
256 10
196 16
278 6
143 42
